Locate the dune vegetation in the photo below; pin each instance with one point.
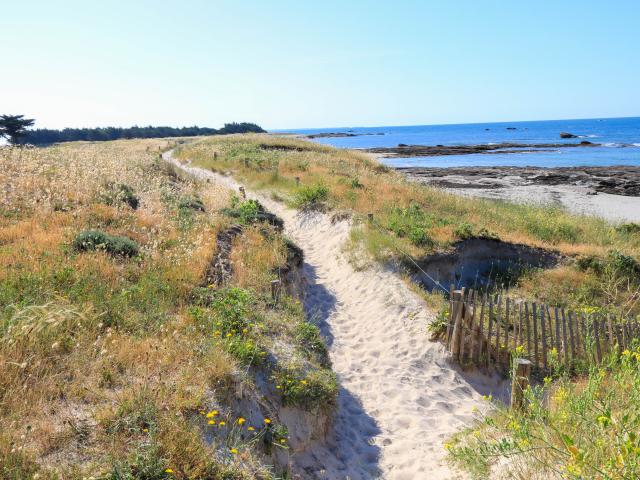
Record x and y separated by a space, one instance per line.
416 220
118 358
580 427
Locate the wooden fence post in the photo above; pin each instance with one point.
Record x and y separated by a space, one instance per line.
534 315
275 290
456 335
543 329
520 381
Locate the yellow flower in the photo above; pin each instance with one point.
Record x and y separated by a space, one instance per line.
228 335
145 430
251 429
211 422
304 382
221 424
212 413
283 440
278 387
267 421
241 421
245 330
168 470
234 451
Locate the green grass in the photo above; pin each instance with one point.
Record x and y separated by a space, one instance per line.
568 429
416 220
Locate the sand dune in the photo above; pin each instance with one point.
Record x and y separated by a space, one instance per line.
400 397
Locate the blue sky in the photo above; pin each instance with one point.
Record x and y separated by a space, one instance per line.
286 64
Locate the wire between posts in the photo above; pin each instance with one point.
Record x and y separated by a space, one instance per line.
382 230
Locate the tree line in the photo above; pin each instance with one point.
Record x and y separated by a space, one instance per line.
14 128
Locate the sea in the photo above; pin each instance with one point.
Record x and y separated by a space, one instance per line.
619 139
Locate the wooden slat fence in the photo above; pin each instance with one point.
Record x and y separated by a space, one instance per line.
490 330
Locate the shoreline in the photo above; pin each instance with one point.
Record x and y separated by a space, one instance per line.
612 193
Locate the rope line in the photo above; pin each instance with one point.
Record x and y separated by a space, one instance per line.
382 230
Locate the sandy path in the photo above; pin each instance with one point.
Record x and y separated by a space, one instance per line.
400 398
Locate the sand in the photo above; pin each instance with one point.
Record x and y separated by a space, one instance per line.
400 396
573 198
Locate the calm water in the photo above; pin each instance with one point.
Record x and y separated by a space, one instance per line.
620 139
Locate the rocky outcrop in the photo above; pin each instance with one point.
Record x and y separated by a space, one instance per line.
438 150
567 135
340 134
620 180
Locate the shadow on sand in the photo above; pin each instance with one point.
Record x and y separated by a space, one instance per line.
349 451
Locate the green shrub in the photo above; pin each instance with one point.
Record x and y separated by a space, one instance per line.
413 223
120 193
628 228
464 231
309 336
191 204
317 388
233 310
97 240
311 196
245 350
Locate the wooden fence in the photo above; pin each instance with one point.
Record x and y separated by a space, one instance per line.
489 331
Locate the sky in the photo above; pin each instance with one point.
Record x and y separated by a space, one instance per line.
304 64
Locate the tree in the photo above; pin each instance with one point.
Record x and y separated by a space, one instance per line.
13 127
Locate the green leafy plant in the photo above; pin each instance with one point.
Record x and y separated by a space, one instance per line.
309 197
97 240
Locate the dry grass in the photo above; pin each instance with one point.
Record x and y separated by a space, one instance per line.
103 366
416 219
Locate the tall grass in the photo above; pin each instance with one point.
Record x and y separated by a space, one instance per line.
101 349
568 429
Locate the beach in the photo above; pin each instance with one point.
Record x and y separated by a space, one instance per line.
609 193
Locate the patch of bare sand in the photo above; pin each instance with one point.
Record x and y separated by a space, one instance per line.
400 397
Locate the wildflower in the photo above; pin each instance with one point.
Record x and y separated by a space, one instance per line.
251 429
222 423
234 451
168 470
212 413
267 421
283 440
303 382
229 334
145 430
245 330
278 387
241 421
211 422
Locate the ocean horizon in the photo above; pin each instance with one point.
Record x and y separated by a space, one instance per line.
619 140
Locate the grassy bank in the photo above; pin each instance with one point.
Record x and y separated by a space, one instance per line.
567 430
419 220
117 358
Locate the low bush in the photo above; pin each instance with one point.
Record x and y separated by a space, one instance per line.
628 228
317 388
116 193
91 240
573 430
310 197
191 204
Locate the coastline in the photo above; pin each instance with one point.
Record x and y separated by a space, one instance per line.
594 191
